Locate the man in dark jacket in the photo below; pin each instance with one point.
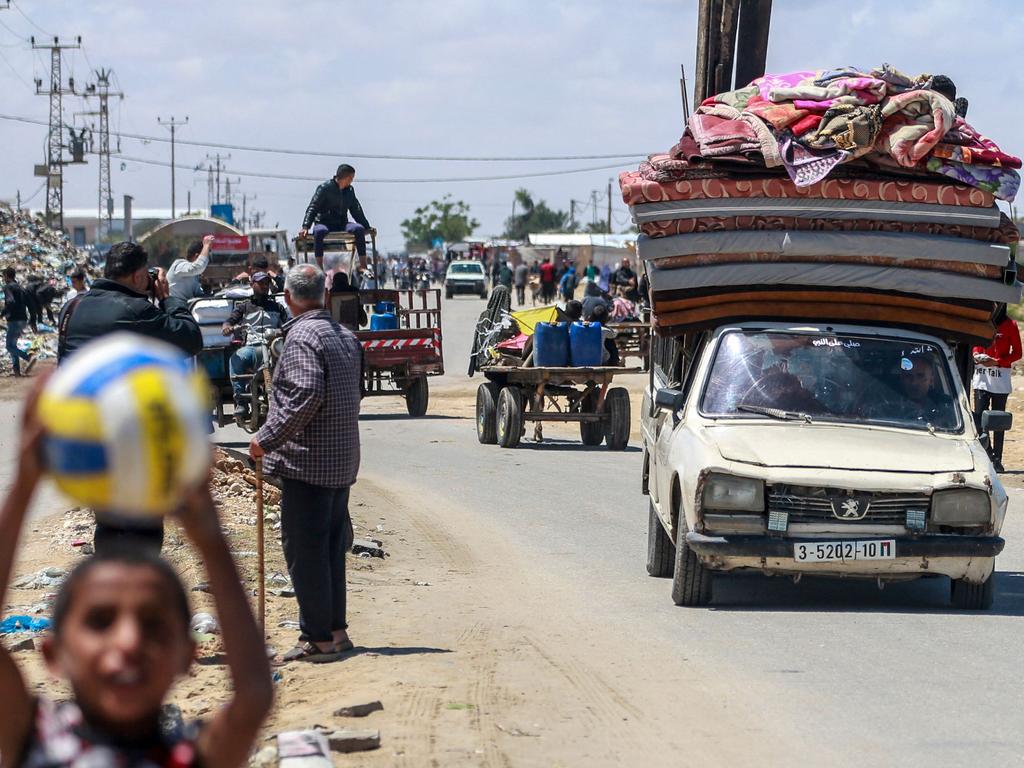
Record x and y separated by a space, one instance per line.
329 210
16 315
123 300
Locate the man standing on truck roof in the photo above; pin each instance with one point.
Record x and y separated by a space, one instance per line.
329 210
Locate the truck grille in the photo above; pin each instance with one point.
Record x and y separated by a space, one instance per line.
820 505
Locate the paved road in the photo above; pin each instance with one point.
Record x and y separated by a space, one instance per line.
842 672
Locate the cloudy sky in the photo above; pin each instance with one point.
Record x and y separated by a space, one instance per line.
476 78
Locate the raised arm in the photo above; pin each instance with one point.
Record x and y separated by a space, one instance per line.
17 704
228 737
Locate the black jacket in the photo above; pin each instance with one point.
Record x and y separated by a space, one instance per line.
331 207
15 305
110 306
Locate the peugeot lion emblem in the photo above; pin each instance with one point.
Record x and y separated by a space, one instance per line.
850 508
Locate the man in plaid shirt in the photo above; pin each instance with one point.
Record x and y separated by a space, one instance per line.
311 441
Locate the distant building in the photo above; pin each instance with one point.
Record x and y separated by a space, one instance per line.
81 223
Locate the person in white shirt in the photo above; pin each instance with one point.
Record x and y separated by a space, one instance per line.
77 284
183 276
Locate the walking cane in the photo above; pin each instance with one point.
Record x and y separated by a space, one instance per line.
259 546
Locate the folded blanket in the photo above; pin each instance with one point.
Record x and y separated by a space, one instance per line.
851 128
914 122
850 90
1002 183
722 136
767 144
964 144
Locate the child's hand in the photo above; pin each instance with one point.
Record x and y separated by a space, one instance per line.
30 465
198 515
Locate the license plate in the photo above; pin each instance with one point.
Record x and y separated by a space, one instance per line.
841 551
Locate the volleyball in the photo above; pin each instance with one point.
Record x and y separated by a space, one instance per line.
126 426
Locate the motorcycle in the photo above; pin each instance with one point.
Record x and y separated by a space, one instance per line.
270 343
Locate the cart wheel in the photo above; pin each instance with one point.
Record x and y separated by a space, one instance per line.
616 406
510 417
416 396
449 295
591 432
486 412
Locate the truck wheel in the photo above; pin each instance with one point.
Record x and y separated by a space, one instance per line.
616 426
483 295
591 432
972 597
691 581
510 417
486 412
661 552
416 396
448 295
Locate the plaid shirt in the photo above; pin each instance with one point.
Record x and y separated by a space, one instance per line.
312 430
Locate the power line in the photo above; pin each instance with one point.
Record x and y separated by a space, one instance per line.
287 177
18 9
17 74
364 156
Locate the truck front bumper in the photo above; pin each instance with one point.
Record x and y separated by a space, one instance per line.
959 557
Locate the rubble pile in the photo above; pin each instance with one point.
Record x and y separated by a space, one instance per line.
32 248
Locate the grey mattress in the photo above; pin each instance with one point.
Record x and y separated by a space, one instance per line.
816 209
918 281
811 243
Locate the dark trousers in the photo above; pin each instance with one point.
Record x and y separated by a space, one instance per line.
316 531
521 294
112 536
319 231
990 401
14 331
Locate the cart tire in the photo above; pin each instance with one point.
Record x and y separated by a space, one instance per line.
448 295
616 426
691 581
591 432
483 295
417 395
661 552
487 412
510 417
972 597
256 414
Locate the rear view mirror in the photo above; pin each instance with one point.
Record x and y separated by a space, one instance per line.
996 421
667 399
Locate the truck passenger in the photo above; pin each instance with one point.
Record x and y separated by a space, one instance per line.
329 210
991 382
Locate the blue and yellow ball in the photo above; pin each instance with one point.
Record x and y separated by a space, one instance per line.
126 426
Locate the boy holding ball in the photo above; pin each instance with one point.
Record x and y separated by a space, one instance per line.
120 638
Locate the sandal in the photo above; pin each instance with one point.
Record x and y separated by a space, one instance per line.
306 651
344 646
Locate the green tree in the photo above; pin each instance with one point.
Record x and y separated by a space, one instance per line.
536 217
445 218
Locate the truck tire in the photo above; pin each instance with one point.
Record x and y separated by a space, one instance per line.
483 294
449 295
616 426
417 395
591 432
972 597
661 552
510 417
691 581
487 412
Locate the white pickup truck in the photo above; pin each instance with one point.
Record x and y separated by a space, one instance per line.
834 450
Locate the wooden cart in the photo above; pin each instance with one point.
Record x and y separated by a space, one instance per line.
513 395
633 340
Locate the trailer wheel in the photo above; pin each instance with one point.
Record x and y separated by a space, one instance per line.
510 417
487 412
972 597
661 552
416 396
616 426
591 432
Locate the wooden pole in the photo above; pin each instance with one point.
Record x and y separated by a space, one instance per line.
707 49
259 548
726 46
752 40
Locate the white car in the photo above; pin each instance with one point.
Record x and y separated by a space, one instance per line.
839 450
465 277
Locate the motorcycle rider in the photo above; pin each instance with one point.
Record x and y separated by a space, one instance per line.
260 312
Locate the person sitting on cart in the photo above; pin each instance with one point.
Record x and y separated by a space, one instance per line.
329 210
260 312
357 317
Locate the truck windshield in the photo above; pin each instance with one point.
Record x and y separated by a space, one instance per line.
832 377
466 269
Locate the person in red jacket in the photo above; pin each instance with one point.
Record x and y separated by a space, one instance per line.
991 382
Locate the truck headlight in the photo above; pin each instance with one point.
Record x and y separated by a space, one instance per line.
961 506
736 493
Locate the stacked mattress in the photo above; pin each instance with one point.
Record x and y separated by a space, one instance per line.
739 234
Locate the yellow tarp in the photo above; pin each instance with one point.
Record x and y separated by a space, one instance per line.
528 318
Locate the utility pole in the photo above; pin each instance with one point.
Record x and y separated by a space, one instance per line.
105 198
609 206
572 215
55 145
593 204
172 124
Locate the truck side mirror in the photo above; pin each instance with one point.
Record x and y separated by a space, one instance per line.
996 421
667 399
